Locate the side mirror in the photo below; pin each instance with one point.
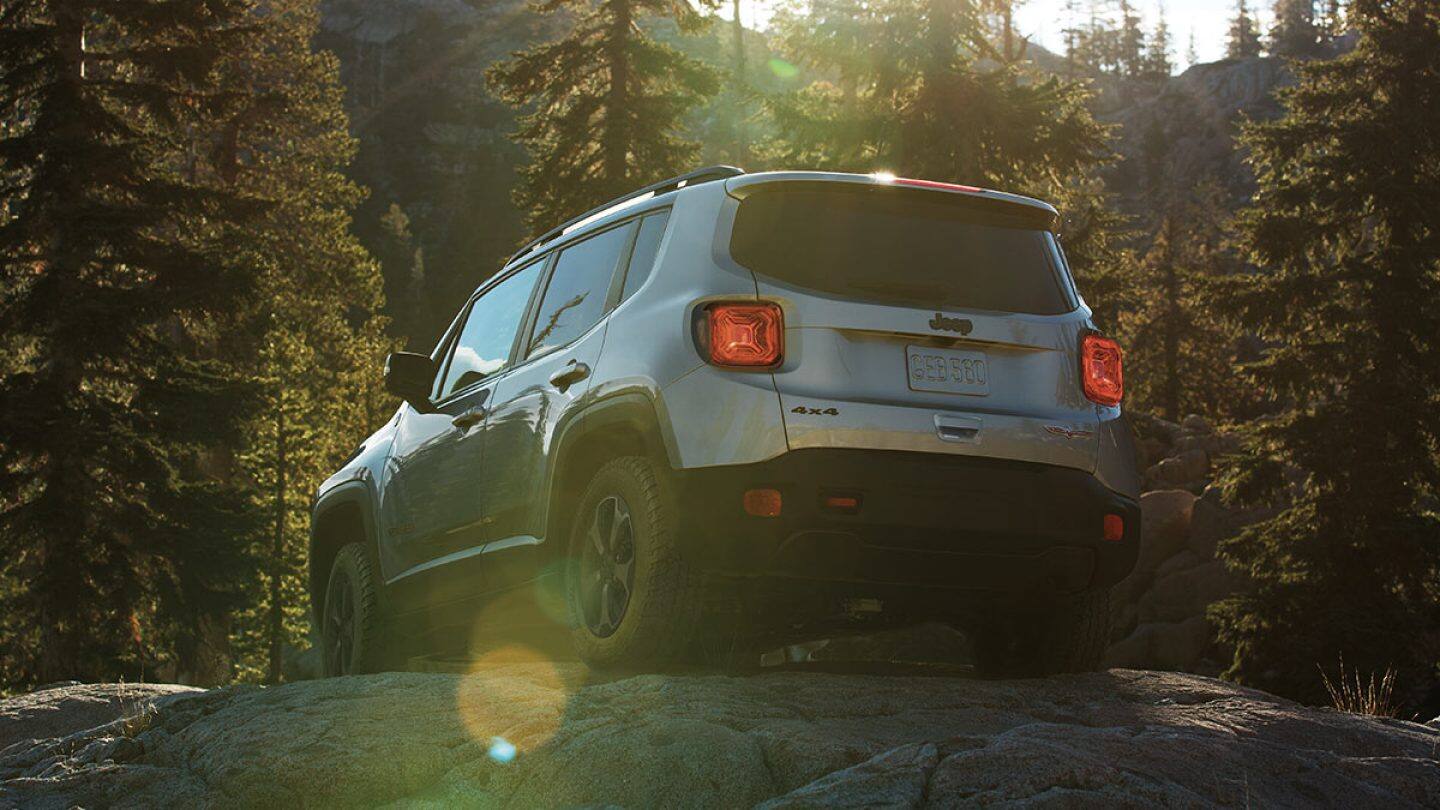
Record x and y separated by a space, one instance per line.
409 376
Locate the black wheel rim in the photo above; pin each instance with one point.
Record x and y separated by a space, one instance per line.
607 568
340 626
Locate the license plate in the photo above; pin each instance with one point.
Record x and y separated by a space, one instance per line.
947 371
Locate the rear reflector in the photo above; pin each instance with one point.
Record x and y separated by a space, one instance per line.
1101 370
746 335
762 502
842 503
1114 528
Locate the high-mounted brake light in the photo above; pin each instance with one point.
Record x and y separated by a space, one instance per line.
906 181
745 335
1101 370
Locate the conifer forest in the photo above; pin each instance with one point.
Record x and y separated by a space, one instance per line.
218 217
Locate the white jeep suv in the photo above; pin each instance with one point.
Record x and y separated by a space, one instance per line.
734 410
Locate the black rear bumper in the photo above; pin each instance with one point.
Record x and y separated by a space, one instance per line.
923 520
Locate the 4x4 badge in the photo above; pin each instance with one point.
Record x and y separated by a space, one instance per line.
961 325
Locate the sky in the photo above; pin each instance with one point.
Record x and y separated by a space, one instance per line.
1044 20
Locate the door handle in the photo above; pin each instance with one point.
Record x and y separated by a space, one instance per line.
470 418
573 372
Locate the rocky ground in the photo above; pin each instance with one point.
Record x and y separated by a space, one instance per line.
1158 619
539 734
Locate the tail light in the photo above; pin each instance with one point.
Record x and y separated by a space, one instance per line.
745 335
1101 370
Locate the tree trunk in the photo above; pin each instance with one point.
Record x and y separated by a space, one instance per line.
1171 333
742 140
616 137
276 629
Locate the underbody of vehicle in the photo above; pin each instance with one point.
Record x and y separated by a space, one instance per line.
732 410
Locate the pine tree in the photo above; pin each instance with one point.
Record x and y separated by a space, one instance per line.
1332 22
920 108
1158 62
1004 43
1348 242
312 337
1243 41
607 102
1175 343
739 86
1295 32
112 273
1131 58
1192 53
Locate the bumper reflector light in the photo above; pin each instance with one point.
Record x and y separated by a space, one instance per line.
762 502
1114 528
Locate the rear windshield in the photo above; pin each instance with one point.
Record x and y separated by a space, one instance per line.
909 249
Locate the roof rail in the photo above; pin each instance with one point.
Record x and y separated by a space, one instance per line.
696 177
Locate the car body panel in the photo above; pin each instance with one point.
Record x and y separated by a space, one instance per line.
481 516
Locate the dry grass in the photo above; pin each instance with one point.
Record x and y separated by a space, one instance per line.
1355 693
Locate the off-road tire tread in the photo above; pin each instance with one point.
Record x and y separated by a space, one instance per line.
1070 635
371 656
657 629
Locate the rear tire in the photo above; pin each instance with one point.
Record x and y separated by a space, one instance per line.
1070 635
351 630
631 598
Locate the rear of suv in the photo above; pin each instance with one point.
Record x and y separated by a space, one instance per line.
734 410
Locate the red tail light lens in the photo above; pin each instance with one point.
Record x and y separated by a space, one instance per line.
1114 528
1101 370
746 335
761 502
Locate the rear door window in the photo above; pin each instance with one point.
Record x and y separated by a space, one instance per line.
901 249
642 258
575 297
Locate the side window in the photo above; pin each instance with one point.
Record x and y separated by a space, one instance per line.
575 297
642 259
483 345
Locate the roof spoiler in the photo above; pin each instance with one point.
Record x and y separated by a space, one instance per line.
1035 212
696 177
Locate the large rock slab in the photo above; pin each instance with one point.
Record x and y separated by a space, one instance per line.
539 734
64 709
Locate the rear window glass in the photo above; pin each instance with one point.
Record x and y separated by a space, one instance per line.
900 249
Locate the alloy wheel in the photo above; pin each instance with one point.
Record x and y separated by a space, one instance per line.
607 568
340 623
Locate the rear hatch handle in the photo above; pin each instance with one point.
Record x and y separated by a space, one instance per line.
963 429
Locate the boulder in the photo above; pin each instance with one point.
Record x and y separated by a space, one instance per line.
1196 424
1215 445
1164 526
62 709
1180 645
1176 646
546 734
1212 522
1185 470
1182 561
1185 594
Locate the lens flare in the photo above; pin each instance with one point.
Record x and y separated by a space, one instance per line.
513 700
501 750
782 69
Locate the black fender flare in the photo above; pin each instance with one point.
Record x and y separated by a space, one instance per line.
355 497
605 425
